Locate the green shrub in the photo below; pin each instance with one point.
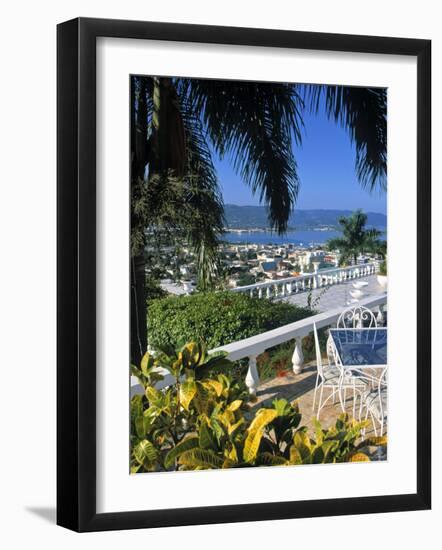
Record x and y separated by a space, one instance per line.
246 279
153 289
216 318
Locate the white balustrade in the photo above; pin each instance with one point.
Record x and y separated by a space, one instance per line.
307 281
251 348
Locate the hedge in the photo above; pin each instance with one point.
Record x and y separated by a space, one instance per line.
217 318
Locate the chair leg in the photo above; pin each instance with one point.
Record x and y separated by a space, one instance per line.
321 392
314 393
374 425
366 418
360 408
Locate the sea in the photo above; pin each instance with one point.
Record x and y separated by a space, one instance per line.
298 238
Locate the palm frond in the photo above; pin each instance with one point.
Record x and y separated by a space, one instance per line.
363 113
188 207
205 217
336 244
254 124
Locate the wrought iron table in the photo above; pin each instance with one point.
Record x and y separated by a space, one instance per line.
360 352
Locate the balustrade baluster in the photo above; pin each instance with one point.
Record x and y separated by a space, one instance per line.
252 378
298 356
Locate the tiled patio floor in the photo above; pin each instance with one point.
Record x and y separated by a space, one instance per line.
301 387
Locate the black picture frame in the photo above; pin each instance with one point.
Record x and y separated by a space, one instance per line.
76 273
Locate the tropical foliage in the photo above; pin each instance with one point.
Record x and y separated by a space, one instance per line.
206 423
216 318
356 238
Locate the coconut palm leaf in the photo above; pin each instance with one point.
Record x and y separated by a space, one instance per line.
205 215
363 113
187 206
254 124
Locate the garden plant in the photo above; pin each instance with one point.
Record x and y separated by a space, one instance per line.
204 420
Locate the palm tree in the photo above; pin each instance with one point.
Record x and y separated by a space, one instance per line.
356 239
178 122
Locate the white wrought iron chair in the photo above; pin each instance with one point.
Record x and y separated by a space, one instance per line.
331 376
357 317
375 403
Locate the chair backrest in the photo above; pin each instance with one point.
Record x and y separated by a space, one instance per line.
318 352
382 394
357 317
331 351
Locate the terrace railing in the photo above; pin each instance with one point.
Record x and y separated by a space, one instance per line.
251 348
306 282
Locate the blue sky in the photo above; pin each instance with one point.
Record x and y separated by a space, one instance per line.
326 169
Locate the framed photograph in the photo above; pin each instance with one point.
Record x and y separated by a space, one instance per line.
243 227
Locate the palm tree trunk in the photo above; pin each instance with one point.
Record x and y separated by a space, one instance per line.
138 309
139 152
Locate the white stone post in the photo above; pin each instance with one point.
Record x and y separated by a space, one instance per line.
298 356
260 292
268 292
252 378
315 276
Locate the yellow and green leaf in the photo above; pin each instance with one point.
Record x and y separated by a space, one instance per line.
255 432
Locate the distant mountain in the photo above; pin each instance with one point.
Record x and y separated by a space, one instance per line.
248 217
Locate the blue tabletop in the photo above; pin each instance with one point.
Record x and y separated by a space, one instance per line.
361 347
